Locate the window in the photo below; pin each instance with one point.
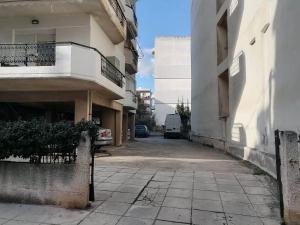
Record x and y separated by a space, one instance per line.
223 83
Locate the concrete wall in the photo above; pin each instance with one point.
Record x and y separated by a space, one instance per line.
65 185
262 52
172 75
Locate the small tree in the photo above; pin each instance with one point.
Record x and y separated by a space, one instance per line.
185 115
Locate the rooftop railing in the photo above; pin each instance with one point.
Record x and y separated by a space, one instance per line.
44 54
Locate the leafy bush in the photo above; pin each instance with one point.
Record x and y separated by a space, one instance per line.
25 139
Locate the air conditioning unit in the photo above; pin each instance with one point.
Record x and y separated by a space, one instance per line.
114 60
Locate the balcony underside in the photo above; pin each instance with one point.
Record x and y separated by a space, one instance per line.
103 11
56 84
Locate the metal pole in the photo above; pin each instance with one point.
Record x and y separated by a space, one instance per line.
278 170
92 189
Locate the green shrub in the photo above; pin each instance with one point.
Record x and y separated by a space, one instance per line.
38 138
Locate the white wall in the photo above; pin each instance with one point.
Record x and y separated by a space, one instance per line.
102 42
172 75
67 27
263 77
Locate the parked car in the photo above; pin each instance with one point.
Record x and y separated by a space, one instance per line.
104 136
142 131
172 126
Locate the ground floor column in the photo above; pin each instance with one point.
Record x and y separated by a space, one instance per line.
125 127
119 123
132 126
83 108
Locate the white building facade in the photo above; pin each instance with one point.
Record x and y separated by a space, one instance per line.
172 75
245 75
66 60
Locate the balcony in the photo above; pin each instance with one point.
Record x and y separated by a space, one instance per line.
131 58
58 66
130 101
109 14
132 22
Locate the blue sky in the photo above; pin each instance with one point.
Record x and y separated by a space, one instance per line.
159 18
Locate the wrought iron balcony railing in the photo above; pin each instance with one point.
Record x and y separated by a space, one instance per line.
44 54
41 54
119 11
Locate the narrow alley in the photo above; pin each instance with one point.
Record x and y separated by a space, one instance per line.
158 181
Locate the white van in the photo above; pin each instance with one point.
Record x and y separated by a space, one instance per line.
172 126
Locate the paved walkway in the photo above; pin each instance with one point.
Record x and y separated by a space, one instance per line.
167 195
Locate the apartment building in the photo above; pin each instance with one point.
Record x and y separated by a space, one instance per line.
245 75
131 60
172 77
64 60
146 99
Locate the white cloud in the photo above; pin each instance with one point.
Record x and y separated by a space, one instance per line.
146 64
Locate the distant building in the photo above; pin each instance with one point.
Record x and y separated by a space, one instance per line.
172 75
245 75
145 98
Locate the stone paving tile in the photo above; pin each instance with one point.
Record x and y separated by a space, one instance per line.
142 176
183 179
107 186
10 211
203 174
114 208
180 193
154 191
144 212
111 169
227 181
205 187
243 220
165 173
268 221
51 215
246 177
267 210
147 171
175 215
239 208
102 195
169 196
128 188
251 183
18 222
137 182
129 170
230 188
182 203
100 219
162 178
122 197
257 191
206 195
158 184
183 174
207 205
234 197
159 222
208 218
182 185
134 221
262 199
